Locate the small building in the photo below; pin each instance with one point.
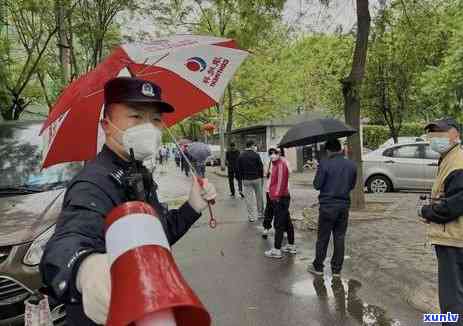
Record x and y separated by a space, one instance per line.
269 133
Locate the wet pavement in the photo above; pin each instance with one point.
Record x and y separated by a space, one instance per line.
240 286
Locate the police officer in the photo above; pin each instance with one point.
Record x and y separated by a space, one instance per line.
445 214
74 265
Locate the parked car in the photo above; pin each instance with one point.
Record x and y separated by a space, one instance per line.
30 202
403 140
214 159
410 166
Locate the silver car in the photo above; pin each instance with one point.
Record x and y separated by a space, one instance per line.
406 166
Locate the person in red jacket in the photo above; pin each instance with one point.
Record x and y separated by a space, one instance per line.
280 199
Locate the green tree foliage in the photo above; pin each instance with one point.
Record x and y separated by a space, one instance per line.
413 67
441 85
31 46
301 74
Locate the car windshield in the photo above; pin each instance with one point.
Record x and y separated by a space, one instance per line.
21 159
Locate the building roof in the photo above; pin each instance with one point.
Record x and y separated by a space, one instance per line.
283 122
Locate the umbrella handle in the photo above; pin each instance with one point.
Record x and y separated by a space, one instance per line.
212 220
201 184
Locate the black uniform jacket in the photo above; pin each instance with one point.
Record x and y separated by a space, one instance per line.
80 227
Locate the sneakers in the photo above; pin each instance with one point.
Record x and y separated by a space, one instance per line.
232 195
241 194
290 249
252 219
273 253
265 233
311 269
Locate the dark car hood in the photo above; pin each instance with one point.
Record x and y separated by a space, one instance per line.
24 217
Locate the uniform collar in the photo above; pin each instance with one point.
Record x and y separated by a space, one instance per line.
108 154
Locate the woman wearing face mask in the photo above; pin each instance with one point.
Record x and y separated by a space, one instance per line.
75 265
268 212
280 200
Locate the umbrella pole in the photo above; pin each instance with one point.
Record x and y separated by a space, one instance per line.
193 170
212 220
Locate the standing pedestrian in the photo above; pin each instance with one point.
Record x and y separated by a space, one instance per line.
178 158
75 264
231 159
280 200
251 172
199 152
445 214
335 179
268 211
186 156
163 154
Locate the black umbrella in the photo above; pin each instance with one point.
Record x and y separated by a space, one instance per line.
315 131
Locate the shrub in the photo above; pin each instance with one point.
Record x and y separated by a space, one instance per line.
375 135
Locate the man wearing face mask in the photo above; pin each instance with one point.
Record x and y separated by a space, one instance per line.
445 214
74 265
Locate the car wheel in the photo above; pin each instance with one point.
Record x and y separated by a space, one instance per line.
379 184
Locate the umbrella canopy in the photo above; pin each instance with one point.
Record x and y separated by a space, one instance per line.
315 131
199 151
192 71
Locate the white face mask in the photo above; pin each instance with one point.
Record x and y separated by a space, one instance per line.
440 145
274 157
143 139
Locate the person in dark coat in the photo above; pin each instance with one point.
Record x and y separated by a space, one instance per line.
251 172
335 179
231 159
75 265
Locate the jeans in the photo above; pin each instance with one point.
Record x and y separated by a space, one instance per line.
450 273
254 198
282 221
333 220
232 175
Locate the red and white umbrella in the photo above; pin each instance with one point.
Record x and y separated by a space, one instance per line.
192 71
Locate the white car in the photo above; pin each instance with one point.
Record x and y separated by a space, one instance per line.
402 140
406 166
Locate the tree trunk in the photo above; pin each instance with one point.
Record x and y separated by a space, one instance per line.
230 115
63 42
351 92
222 135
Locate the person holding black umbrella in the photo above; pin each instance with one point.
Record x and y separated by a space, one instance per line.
335 179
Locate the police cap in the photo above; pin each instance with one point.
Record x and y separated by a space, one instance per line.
134 90
442 125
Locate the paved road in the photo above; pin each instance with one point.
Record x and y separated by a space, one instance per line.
240 287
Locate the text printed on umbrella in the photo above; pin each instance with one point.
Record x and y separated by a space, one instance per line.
215 70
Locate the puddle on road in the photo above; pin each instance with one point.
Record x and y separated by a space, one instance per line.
341 297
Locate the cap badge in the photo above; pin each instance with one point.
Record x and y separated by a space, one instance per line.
147 90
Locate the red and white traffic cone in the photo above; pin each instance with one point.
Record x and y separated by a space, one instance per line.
146 286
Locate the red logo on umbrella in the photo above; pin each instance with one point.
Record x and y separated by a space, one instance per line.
196 64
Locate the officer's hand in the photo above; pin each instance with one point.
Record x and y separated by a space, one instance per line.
94 283
200 196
